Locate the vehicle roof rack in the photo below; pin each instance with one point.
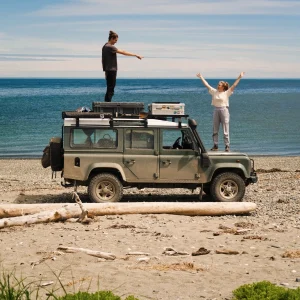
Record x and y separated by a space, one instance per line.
101 115
141 118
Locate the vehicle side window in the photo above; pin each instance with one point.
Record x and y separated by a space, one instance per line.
170 137
139 139
93 138
82 137
187 140
105 138
176 139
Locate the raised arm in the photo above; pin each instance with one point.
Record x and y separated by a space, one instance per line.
203 80
129 53
237 81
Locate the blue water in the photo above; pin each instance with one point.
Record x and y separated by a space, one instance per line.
264 114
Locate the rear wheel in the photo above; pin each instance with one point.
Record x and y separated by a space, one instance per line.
105 187
228 187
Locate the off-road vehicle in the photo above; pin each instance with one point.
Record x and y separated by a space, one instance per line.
107 149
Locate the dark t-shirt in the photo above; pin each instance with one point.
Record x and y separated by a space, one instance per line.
109 58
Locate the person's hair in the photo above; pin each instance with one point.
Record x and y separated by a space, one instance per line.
225 85
112 35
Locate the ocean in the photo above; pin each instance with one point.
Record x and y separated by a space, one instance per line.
264 113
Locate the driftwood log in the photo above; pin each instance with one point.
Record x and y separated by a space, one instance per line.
100 254
102 209
61 214
20 214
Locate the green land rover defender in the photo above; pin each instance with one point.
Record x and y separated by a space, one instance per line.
118 145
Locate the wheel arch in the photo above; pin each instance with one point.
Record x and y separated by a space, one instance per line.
114 169
238 171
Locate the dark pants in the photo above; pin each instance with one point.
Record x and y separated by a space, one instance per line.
111 77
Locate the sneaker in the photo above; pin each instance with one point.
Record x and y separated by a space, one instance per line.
227 148
214 148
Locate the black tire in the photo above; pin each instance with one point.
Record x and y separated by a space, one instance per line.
228 187
104 188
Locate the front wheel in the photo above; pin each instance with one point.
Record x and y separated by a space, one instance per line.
105 187
228 187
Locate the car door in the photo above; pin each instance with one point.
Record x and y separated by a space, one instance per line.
178 161
140 154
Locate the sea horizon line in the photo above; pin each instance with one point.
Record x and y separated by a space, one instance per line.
149 78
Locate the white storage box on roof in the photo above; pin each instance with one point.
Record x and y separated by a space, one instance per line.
166 108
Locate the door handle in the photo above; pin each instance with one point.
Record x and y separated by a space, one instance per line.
132 161
166 162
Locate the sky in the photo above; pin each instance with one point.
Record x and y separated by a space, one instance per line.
178 38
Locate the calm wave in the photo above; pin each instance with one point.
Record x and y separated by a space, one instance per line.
264 113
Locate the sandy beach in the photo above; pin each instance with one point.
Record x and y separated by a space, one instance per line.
237 249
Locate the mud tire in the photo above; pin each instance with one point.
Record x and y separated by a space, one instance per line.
228 187
105 188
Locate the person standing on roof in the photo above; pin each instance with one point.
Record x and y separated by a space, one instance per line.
220 100
110 65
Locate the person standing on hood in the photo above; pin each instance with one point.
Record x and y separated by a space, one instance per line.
220 101
110 65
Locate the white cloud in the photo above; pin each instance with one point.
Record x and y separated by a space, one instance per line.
173 47
29 45
180 61
130 25
168 7
210 64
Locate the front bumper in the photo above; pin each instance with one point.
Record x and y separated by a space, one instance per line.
253 178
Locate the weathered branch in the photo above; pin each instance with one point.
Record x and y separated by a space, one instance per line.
100 254
83 218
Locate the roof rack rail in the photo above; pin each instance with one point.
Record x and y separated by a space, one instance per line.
96 115
101 115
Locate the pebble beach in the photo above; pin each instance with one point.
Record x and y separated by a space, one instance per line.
261 249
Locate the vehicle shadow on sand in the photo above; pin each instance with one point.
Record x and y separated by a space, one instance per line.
67 198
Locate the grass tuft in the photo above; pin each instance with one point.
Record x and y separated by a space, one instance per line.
265 290
12 288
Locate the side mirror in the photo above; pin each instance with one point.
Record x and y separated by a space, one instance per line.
192 124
